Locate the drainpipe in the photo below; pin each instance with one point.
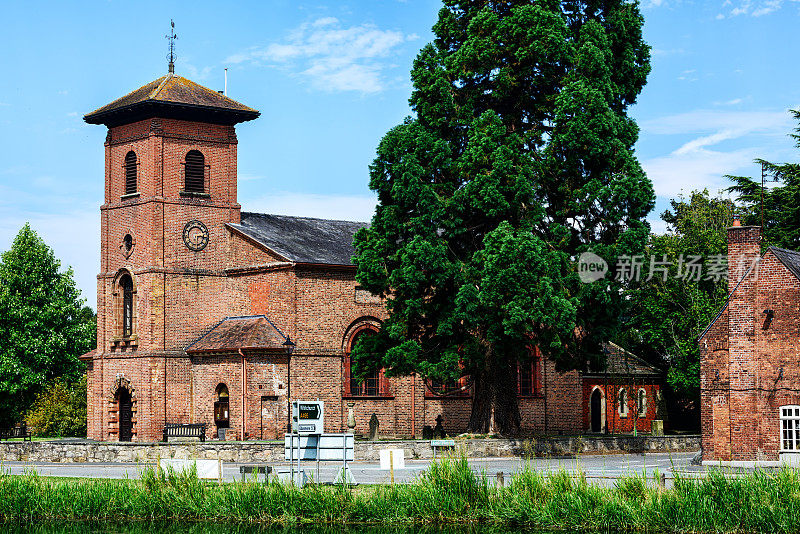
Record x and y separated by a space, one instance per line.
244 388
413 405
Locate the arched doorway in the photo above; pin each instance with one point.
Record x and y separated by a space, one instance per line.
222 415
125 414
596 410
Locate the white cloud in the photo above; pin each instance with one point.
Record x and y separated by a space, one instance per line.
699 162
732 102
681 173
709 121
331 57
696 145
193 72
665 52
341 207
754 8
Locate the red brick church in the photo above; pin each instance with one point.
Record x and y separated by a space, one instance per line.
197 300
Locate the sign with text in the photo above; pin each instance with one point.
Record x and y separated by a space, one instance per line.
308 417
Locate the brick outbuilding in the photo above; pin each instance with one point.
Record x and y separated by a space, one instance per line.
196 298
750 370
626 394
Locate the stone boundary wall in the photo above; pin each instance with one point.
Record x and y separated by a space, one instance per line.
272 452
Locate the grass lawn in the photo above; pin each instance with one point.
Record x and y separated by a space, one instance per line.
447 493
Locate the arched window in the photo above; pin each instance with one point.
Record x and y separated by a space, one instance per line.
222 407
195 170
622 397
529 375
373 385
130 173
126 286
641 402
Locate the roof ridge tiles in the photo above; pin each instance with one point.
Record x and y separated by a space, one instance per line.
302 217
161 86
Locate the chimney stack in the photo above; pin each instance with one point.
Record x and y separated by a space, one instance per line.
744 248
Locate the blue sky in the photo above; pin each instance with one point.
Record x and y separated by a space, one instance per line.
330 78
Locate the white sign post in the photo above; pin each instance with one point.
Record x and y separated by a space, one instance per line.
308 419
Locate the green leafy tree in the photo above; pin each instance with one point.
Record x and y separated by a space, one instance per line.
44 325
519 158
781 203
60 409
670 309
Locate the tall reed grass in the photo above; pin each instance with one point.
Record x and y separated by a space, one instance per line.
449 492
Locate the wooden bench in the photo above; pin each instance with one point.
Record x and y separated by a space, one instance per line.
257 469
185 430
442 444
15 432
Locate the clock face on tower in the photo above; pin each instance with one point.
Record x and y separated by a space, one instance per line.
195 235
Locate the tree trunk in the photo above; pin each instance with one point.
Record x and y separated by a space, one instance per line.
495 409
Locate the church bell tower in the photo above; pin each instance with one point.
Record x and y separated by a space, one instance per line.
170 188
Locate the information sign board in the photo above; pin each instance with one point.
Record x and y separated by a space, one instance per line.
308 417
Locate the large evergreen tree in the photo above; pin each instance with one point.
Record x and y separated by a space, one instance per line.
519 158
44 325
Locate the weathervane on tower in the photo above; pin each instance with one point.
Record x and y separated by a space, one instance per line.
171 38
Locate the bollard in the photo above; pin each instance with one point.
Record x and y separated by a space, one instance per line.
391 465
662 480
500 479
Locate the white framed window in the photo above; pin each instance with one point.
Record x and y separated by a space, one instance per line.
641 402
622 399
790 428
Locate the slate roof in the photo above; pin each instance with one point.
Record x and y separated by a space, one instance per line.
621 362
789 258
302 239
250 332
172 96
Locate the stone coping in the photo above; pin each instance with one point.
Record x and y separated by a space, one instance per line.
272 452
360 440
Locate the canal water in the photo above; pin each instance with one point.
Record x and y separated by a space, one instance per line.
235 528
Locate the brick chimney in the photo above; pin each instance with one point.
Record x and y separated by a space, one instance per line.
744 246
743 251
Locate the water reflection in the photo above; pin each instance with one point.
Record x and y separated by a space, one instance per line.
238 528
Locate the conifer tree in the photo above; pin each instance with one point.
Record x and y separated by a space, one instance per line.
519 158
44 325
777 206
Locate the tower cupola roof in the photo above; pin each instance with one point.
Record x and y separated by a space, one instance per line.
172 97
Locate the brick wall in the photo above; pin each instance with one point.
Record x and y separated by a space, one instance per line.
749 365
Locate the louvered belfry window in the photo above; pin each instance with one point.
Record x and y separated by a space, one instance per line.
195 172
130 173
